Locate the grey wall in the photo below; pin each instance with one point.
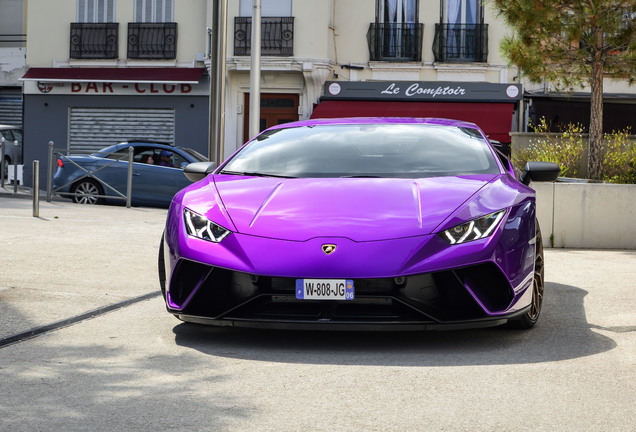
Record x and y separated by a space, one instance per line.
46 119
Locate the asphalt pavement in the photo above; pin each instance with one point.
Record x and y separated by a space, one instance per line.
86 344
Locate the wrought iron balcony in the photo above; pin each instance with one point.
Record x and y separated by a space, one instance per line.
277 36
395 42
152 41
94 41
461 43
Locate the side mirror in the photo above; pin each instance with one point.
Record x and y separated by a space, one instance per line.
539 172
198 170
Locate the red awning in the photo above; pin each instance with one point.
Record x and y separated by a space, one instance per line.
116 75
495 119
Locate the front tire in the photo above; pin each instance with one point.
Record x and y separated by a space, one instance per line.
88 191
529 319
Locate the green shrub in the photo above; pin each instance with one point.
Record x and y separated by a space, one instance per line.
565 149
619 159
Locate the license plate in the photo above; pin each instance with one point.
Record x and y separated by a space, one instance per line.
324 289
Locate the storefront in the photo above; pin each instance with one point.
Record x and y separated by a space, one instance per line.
493 107
86 109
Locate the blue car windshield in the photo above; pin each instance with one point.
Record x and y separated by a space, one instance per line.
365 150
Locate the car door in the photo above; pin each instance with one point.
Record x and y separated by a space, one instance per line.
155 184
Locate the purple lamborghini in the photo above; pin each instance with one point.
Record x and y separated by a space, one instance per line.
357 224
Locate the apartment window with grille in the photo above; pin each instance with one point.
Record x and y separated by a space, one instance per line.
396 34
95 34
277 28
154 11
461 36
95 11
153 35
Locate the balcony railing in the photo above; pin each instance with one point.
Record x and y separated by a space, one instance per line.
395 42
152 41
277 36
461 43
94 41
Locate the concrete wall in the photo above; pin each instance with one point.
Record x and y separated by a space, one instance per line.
587 215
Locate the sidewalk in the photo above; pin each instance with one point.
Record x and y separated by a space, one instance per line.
72 259
22 191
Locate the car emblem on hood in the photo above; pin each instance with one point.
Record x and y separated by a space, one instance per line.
328 249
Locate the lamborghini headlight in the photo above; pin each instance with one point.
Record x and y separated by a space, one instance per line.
200 227
474 230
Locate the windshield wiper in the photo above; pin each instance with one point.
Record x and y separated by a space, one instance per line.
361 176
254 174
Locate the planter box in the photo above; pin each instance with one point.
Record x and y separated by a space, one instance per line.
587 215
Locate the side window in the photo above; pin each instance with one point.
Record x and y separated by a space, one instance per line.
145 155
17 134
122 154
7 134
179 161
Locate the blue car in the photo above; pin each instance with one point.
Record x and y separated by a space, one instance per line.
102 177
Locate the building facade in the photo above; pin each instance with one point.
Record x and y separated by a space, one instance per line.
372 52
100 71
12 60
105 71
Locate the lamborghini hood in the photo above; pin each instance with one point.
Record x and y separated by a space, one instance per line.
361 209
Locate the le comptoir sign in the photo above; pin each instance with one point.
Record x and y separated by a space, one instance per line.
422 91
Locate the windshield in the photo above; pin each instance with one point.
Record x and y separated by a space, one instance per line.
385 150
195 154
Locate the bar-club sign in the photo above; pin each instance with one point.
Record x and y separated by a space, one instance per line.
422 91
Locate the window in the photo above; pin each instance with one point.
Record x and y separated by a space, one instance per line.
397 11
154 11
396 34
461 35
95 11
462 11
95 34
269 8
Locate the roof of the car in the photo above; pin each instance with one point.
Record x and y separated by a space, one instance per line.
5 126
377 121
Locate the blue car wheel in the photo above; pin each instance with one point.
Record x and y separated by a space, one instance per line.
88 191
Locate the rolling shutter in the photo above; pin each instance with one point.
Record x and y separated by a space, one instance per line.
91 129
11 110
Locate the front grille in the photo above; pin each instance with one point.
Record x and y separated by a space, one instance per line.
205 291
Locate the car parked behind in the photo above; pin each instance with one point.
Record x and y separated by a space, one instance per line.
102 176
12 153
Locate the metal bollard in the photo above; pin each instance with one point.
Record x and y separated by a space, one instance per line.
2 141
130 167
15 167
49 173
36 188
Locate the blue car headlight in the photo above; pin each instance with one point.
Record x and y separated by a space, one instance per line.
473 230
200 227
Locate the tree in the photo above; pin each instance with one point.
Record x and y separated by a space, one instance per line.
572 43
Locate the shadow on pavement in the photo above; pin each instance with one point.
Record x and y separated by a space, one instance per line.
562 333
